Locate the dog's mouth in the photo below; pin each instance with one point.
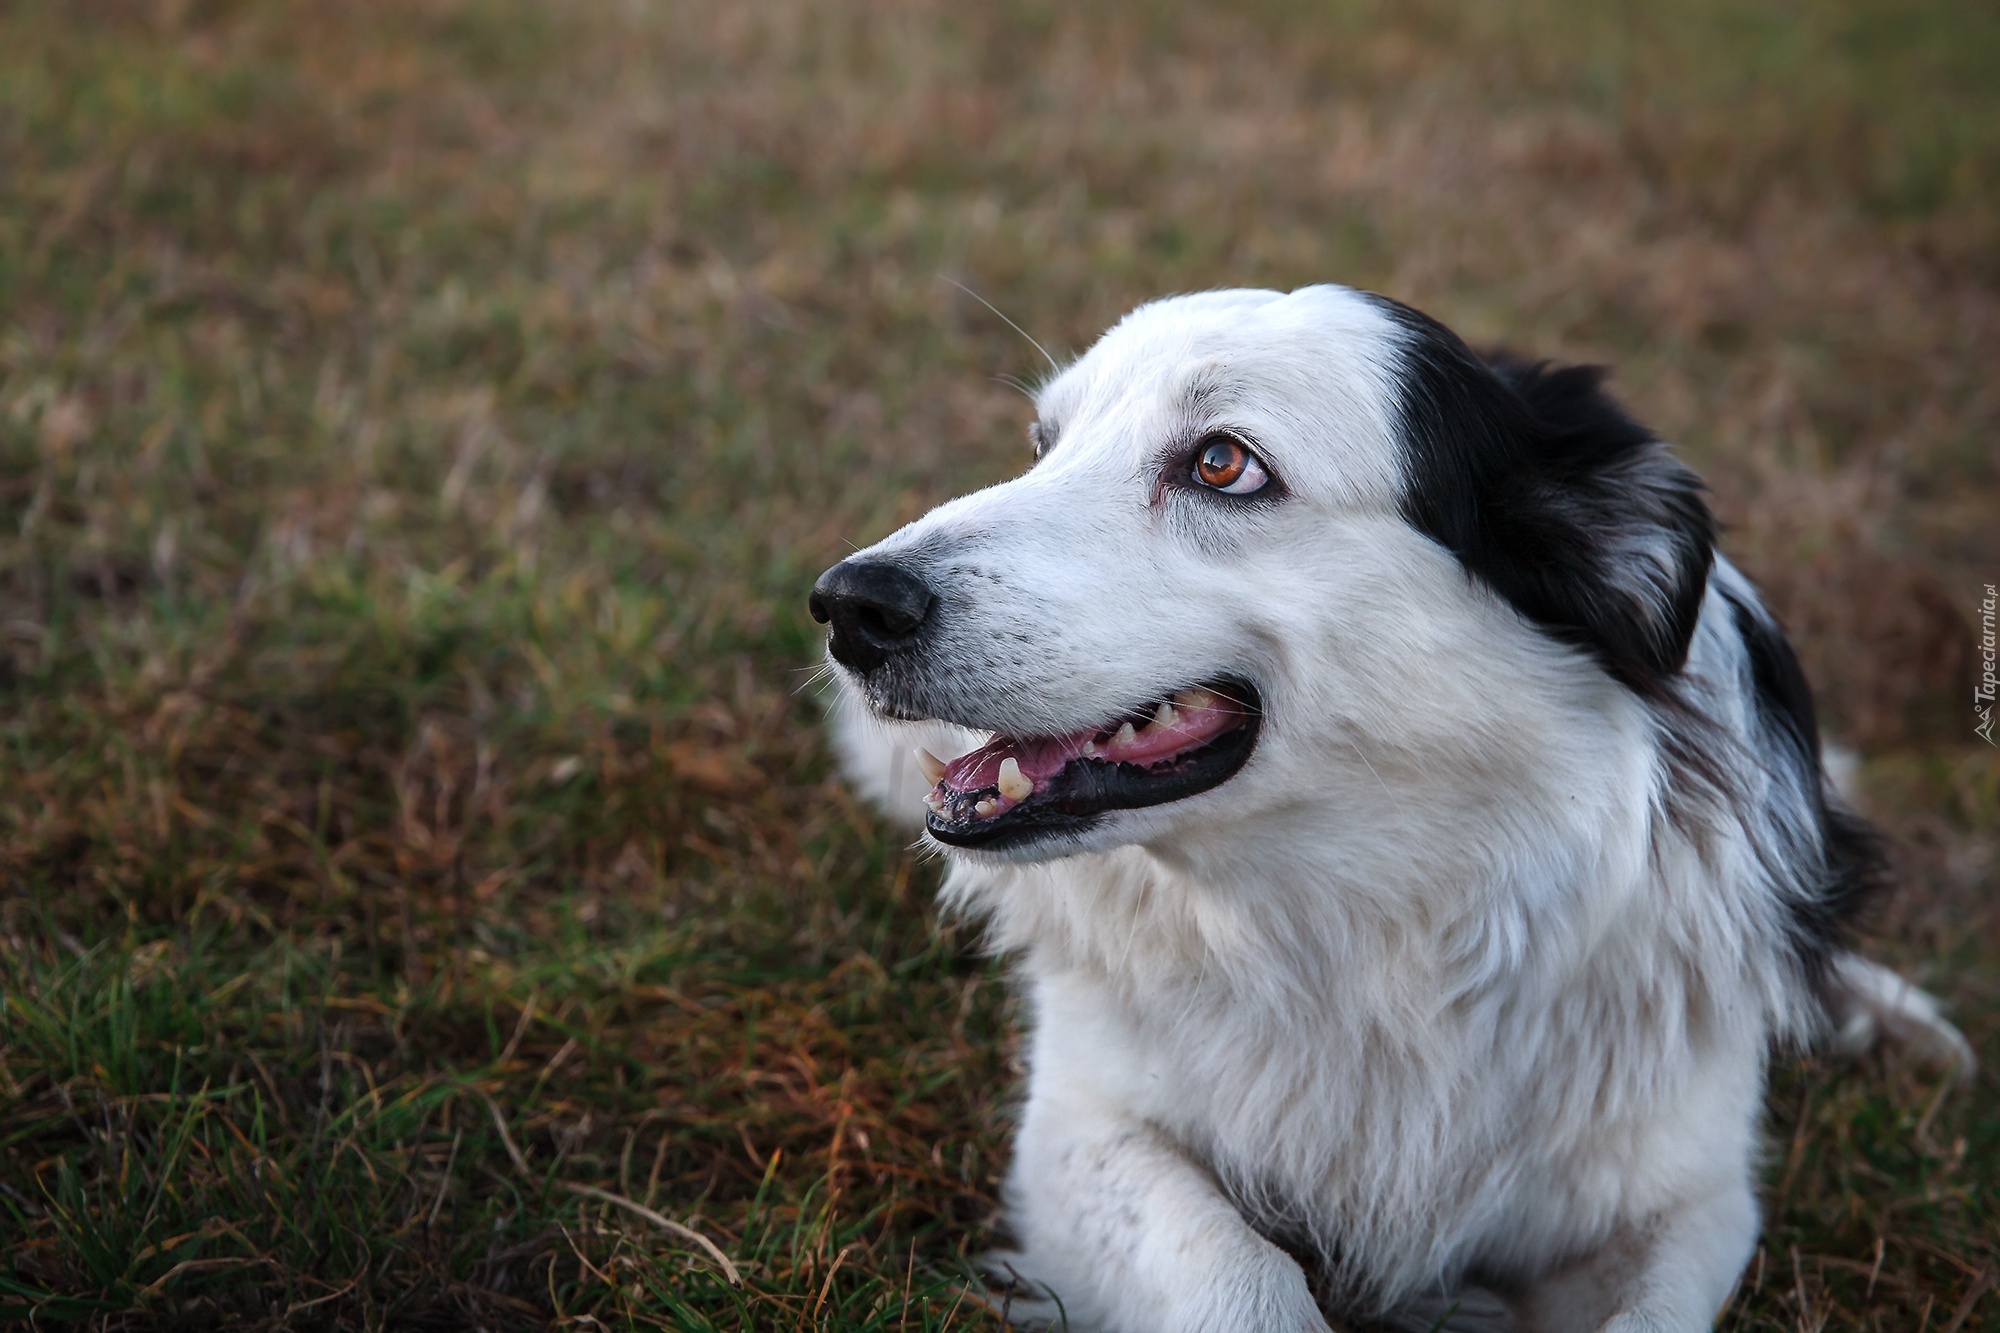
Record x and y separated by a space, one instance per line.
1017 789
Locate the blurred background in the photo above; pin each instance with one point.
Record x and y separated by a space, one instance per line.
420 423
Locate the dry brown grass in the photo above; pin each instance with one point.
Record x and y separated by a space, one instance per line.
419 424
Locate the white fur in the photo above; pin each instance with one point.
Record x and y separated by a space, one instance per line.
1441 987
1871 1005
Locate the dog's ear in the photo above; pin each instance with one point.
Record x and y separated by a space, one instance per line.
1544 488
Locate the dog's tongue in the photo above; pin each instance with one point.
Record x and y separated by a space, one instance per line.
1192 720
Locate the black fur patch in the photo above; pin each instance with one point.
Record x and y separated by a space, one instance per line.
1548 492
1847 866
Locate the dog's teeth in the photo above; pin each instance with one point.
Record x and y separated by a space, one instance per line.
1195 700
1014 785
986 808
1124 736
1163 716
935 800
930 766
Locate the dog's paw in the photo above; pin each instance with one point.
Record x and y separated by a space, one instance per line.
1021 1301
1267 1292
1641 1321
1265 1297
1471 1310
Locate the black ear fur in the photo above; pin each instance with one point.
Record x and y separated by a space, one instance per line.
1546 490
1849 868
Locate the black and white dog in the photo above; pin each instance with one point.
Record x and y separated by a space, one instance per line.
1412 834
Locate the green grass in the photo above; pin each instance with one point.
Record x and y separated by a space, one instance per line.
420 423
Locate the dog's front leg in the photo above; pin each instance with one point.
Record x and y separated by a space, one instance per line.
1131 1236
1673 1275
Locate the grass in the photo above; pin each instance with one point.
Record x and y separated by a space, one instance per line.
420 422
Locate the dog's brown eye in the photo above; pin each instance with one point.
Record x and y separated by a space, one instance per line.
1223 463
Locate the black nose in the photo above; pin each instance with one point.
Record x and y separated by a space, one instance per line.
875 608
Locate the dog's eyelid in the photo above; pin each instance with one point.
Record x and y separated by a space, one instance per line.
1042 438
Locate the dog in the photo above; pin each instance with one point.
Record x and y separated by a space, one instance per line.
1411 834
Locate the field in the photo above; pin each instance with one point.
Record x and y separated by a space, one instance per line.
427 900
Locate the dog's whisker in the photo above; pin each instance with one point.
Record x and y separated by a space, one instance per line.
1017 385
1053 364
1362 755
814 676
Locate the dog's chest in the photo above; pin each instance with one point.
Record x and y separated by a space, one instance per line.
1281 1098
1408 1139
1316 1105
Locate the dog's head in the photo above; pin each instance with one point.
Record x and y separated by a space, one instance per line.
1275 550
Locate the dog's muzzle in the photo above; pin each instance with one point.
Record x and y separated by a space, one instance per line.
876 610
1020 790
